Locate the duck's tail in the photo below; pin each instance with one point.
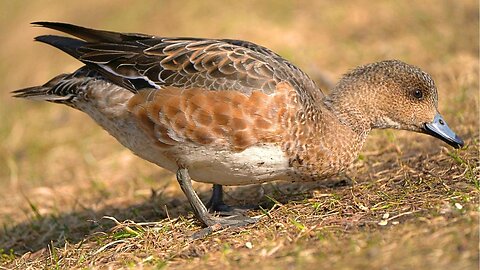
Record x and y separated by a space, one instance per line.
63 88
47 92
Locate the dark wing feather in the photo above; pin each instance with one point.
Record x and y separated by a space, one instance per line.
92 35
148 61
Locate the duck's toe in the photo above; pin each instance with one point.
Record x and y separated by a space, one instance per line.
224 222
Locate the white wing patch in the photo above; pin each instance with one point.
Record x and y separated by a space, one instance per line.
150 82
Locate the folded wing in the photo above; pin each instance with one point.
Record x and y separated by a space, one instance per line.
137 61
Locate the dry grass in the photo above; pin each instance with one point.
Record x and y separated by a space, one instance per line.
412 202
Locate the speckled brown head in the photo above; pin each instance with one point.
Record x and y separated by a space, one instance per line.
390 94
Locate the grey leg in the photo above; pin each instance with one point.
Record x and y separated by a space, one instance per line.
201 211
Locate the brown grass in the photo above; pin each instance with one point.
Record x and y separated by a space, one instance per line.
412 202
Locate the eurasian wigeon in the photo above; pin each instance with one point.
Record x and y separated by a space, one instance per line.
230 112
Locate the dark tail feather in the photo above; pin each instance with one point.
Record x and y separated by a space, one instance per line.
44 92
91 35
39 93
66 44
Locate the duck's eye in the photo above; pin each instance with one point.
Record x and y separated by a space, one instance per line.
418 94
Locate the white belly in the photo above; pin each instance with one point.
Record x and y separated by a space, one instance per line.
257 164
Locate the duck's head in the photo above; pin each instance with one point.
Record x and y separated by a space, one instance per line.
390 94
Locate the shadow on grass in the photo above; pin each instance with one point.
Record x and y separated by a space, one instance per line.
74 227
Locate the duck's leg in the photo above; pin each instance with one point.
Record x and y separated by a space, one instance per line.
201 211
216 203
218 206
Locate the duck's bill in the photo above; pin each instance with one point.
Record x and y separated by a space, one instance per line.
439 129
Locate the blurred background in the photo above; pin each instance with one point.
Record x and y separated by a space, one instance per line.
54 159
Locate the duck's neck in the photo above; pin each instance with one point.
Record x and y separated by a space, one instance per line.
351 116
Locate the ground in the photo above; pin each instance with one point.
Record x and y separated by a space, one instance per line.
72 197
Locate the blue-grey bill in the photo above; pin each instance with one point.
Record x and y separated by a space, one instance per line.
439 129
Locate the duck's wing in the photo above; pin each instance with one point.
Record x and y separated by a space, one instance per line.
138 61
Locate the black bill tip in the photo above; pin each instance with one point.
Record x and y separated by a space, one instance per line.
439 129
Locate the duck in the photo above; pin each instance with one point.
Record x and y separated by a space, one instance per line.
231 112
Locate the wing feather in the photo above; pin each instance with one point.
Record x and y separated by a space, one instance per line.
213 64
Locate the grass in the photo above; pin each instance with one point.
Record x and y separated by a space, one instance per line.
71 197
